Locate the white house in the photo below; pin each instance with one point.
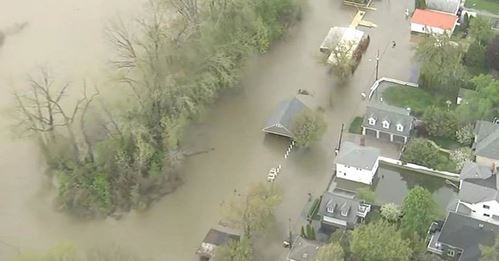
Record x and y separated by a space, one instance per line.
433 22
357 163
478 192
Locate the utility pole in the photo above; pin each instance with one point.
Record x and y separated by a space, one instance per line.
339 142
377 65
290 234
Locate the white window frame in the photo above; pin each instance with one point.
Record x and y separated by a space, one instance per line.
372 121
400 127
451 252
386 124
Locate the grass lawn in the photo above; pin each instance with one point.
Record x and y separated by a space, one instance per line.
355 126
486 5
409 97
446 143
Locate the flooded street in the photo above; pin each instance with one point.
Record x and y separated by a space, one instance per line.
70 37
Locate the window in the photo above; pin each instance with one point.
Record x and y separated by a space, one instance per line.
386 124
372 121
400 127
451 252
486 206
486 215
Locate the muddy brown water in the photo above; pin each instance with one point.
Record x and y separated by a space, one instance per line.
69 36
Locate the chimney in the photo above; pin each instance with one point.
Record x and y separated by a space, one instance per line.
362 141
494 168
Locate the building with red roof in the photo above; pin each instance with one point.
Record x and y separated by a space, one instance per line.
433 22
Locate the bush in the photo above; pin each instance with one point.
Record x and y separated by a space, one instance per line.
422 152
391 212
440 123
460 156
465 135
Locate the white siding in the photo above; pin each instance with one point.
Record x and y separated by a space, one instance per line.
481 212
486 161
356 174
420 28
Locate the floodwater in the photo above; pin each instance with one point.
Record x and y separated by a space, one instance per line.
68 34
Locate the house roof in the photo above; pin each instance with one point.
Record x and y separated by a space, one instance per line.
350 39
357 156
478 183
304 250
394 115
467 233
487 139
447 6
220 236
344 205
281 121
434 19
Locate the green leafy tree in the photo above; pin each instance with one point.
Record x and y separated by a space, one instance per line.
343 60
391 212
379 241
420 4
490 253
493 53
418 211
440 123
308 127
460 156
422 152
483 104
240 250
331 252
441 68
253 212
367 195
475 56
465 135
480 30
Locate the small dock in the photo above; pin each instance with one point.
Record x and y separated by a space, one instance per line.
358 20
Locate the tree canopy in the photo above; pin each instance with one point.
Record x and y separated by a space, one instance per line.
492 53
490 253
483 104
235 251
379 241
418 211
308 128
440 123
331 252
422 152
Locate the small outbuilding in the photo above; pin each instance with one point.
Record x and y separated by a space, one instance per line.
433 22
357 163
214 238
282 119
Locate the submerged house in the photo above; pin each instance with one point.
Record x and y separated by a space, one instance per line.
282 119
486 143
341 208
353 41
387 122
214 238
357 163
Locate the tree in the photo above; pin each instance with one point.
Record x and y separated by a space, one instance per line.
490 253
308 127
391 212
418 211
460 156
441 68
480 30
422 152
440 123
343 64
367 195
483 104
331 252
420 4
379 241
465 135
240 250
475 56
493 53
254 211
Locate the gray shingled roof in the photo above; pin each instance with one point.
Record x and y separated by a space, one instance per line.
468 234
304 250
448 6
219 237
357 156
487 139
281 121
471 170
340 201
394 115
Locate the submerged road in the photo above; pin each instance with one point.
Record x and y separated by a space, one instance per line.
173 228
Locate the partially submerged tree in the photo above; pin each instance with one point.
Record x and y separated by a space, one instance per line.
343 63
418 211
308 128
240 250
331 252
253 212
379 241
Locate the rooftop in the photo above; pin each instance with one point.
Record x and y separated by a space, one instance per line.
339 208
281 121
447 6
487 139
357 156
467 233
304 250
381 112
434 19
216 237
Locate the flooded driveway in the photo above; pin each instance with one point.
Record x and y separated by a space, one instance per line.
174 226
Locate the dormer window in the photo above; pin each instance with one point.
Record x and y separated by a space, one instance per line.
400 127
386 124
372 121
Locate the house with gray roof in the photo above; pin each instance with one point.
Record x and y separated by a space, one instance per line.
282 119
446 6
387 122
460 237
357 163
479 192
340 208
304 250
486 143
217 236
